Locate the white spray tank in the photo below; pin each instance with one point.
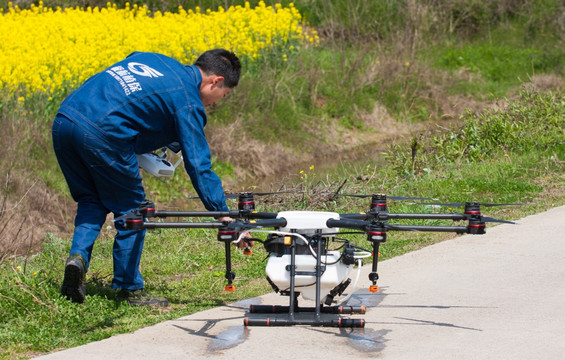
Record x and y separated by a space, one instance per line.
306 223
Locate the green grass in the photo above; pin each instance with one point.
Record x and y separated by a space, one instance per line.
516 154
499 61
187 266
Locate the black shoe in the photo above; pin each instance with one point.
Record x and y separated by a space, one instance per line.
142 298
73 282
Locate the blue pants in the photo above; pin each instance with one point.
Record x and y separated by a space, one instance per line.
103 177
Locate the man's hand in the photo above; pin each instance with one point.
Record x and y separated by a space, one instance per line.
246 244
242 244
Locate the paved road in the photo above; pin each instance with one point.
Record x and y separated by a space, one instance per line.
496 296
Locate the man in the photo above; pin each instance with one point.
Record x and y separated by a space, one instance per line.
137 105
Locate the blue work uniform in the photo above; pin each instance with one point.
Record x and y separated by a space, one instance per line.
135 106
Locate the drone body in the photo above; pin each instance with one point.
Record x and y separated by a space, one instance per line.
300 261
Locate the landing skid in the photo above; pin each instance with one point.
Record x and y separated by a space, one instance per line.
313 316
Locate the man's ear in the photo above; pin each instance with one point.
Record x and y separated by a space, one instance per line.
217 80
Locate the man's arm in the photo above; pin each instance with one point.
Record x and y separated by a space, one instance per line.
197 159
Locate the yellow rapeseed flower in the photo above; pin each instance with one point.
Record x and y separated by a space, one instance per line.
52 50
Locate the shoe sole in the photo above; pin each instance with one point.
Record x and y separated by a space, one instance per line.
73 288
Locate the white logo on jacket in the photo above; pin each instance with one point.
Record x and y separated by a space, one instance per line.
143 70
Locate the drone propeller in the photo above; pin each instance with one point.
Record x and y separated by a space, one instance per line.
236 195
251 193
127 216
474 208
387 196
489 219
476 203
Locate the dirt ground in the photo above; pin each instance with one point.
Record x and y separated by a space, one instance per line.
28 211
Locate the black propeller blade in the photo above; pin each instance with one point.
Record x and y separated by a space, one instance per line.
387 196
489 219
130 215
477 203
236 195
251 193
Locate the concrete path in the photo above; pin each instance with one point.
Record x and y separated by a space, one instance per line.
495 296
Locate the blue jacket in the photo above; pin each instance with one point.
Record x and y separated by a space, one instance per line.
150 100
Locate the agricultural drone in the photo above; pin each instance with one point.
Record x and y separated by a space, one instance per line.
300 261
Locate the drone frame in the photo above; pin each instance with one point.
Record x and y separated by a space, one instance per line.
373 222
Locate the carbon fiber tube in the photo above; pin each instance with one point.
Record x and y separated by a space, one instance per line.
183 225
455 229
279 309
453 217
277 223
278 321
347 223
260 215
216 214
388 216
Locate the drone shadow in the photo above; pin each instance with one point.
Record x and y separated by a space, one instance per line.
370 339
362 339
228 338
370 300
363 297
420 322
206 327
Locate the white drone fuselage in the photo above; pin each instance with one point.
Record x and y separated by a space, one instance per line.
307 223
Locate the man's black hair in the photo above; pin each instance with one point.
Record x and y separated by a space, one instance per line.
221 62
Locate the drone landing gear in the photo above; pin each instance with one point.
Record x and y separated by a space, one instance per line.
305 316
313 316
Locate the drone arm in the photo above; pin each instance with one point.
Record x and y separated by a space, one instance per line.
455 229
216 214
182 225
275 223
454 217
347 223
357 216
140 224
259 215
254 224
380 215
350 223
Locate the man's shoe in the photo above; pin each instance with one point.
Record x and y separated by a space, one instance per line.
73 283
142 298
